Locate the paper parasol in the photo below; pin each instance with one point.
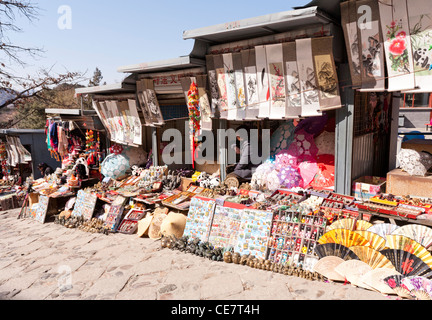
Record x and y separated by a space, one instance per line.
313 125
308 171
289 177
282 138
115 166
303 147
325 143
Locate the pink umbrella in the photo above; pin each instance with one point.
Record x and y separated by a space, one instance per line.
290 177
325 178
308 170
285 159
303 146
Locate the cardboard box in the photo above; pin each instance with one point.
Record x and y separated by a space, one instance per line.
368 187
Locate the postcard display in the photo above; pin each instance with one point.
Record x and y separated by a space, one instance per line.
42 209
85 205
293 238
200 218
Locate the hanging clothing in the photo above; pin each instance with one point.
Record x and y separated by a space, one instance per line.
63 142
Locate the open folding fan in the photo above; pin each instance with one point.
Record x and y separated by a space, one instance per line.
406 263
375 240
395 283
420 287
347 223
326 267
345 237
363 225
372 257
383 229
353 271
334 249
375 279
404 243
417 232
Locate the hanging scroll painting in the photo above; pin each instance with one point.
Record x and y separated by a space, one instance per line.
397 44
109 121
142 102
112 107
263 82
274 55
420 21
326 74
251 84
222 85
206 113
230 85
371 49
293 94
213 83
240 86
127 126
136 122
349 24
308 84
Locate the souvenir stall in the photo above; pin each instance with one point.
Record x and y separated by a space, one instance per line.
15 163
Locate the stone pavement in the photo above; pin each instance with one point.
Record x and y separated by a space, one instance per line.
51 262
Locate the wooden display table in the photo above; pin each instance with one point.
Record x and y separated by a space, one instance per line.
402 184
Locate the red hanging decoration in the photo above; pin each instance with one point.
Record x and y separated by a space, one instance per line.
194 118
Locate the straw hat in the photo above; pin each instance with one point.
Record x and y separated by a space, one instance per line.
173 225
155 226
143 225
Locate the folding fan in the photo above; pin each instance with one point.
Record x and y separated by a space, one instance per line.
375 240
352 271
417 232
372 257
404 243
326 267
375 279
420 287
363 225
334 249
395 283
345 237
347 223
406 263
383 229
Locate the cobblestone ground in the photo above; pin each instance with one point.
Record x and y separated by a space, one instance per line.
51 262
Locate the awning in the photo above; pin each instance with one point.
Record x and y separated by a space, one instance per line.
107 89
259 26
175 64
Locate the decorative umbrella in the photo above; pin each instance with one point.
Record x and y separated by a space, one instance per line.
116 149
137 156
289 177
325 178
313 125
284 159
282 137
414 163
194 118
303 147
308 171
325 143
115 166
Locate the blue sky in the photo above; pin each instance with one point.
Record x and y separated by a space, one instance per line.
110 34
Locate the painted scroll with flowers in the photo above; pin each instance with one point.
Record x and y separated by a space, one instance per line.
397 44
